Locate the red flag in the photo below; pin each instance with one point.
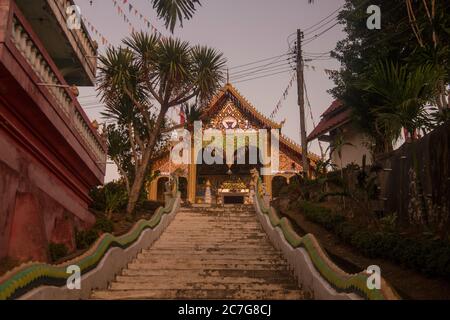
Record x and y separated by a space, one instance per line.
182 116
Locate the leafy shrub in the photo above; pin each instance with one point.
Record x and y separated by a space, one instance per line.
84 239
104 225
111 197
426 255
149 206
57 251
320 215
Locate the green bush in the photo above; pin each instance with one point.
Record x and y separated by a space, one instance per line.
84 239
110 197
149 206
429 256
320 215
57 251
104 225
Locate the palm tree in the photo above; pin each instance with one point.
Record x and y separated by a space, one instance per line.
338 146
403 95
152 75
172 11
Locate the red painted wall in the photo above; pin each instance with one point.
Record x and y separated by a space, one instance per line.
46 168
35 207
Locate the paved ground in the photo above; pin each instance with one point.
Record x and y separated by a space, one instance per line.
207 254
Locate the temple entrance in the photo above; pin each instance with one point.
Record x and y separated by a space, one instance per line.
234 200
221 184
161 188
183 187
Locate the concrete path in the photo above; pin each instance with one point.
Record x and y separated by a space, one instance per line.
208 254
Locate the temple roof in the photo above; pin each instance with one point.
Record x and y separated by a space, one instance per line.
335 116
215 105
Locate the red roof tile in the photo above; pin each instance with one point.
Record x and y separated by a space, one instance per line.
333 117
335 106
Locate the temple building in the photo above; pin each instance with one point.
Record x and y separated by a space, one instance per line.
51 154
336 125
230 182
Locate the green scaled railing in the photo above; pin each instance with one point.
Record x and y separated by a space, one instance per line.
336 277
31 275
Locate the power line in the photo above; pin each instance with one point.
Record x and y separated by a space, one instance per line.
311 115
259 61
319 54
263 72
311 39
320 27
331 14
262 66
269 75
273 68
283 97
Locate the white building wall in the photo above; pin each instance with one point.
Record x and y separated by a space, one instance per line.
352 153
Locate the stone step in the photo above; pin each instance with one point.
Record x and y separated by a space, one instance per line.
217 233
212 240
186 273
203 256
208 253
196 279
221 230
205 246
212 251
195 294
199 286
206 265
206 261
238 223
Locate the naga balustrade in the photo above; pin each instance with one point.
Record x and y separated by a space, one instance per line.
342 284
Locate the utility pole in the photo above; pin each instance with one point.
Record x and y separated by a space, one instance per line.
301 103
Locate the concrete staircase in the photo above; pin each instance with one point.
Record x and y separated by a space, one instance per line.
208 253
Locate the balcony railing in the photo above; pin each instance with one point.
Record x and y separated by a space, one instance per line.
48 74
87 47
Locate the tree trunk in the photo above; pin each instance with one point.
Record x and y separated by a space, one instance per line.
142 169
136 188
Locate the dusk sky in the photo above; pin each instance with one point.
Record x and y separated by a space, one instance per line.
245 31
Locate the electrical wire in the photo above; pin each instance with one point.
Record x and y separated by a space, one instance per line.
273 68
287 67
259 61
262 66
261 77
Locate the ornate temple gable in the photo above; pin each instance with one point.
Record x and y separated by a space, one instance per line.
230 96
230 103
230 117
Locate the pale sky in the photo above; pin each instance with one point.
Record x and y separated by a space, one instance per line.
245 31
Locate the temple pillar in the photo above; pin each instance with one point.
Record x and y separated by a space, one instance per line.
267 179
153 190
192 179
268 182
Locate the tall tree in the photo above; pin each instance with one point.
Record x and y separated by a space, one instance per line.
172 11
152 75
363 49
